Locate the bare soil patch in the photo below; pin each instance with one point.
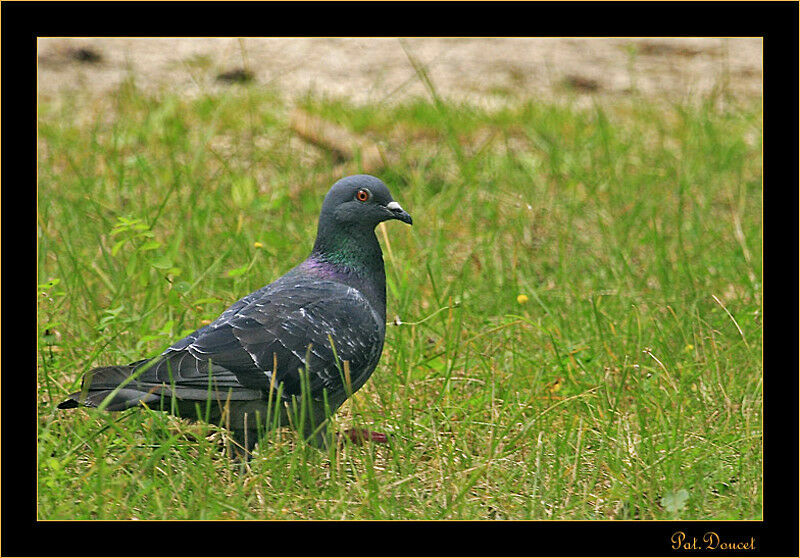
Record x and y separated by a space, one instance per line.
485 70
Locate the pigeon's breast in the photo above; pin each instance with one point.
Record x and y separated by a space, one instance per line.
372 286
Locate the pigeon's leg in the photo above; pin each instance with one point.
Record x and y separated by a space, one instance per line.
316 433
318 436
244 441
247 423
360 435
311 422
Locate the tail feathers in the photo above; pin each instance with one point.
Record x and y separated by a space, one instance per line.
123 399
108 377
101 382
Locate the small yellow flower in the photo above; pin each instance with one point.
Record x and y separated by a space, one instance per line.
555 386
258 244
522 299
688 348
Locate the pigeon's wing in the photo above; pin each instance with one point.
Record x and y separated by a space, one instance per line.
277 331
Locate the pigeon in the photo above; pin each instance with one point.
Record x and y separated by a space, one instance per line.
290 353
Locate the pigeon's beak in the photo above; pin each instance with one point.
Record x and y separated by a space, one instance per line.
398 212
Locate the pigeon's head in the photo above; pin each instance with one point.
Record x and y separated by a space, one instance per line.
362 200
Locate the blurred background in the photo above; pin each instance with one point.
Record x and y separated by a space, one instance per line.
483 71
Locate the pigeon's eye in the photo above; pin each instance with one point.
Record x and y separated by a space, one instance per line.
363 195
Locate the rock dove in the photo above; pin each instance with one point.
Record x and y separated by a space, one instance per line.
305 342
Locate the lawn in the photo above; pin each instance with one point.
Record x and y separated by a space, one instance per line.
579 305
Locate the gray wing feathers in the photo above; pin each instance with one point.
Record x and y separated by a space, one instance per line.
289 324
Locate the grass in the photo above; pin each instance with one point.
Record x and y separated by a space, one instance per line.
581 298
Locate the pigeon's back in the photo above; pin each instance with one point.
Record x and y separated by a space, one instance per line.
301 322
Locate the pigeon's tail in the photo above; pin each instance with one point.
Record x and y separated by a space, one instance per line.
99 383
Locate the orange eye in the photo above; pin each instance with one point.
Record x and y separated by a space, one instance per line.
362 195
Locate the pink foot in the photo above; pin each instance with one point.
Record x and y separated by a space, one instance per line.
359 436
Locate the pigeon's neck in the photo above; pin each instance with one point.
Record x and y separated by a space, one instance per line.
353 257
